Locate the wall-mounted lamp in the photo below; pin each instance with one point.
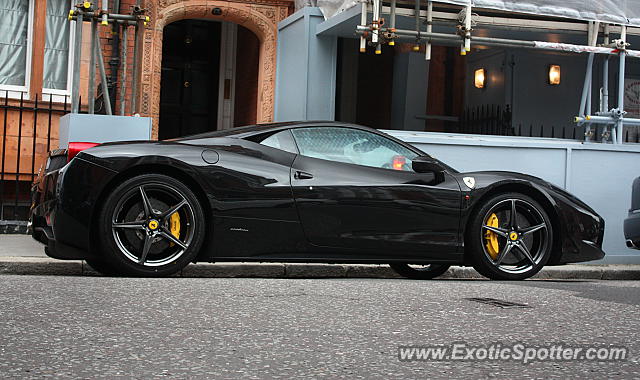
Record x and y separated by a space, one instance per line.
479 78
554 74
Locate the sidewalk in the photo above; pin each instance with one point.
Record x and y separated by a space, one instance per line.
21 255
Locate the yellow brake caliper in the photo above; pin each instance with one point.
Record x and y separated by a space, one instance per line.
174 226
491 238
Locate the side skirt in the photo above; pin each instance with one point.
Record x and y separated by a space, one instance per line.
456 259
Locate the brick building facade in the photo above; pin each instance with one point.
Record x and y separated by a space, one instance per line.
203 63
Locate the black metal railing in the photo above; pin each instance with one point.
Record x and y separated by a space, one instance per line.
494 120
26 139
487 119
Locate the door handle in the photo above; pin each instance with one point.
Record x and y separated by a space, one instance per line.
302 175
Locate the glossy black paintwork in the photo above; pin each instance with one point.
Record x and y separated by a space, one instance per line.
259 208
632 222
385 211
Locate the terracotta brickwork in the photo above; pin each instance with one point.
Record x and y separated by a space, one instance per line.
260 17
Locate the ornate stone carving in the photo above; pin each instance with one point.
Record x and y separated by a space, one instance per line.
261 17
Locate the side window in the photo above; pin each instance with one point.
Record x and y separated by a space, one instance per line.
57 71
15 32
281 140
353 146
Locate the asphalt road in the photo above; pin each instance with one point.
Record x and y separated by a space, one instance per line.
100 327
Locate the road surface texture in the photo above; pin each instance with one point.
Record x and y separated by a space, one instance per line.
101 327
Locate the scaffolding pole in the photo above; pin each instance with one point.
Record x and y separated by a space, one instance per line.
88 12
363 23
103 75
416 15
92 70
427 48
392 23
466 47
75 84
614 117
123 90
620 111
376 26
604 102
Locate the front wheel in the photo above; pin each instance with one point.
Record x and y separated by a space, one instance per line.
151 225
419 272
509 238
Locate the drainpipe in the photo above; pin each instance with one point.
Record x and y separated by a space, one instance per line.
114 61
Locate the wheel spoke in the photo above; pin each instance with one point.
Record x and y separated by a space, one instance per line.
173 209
514 215
525 250
148 240
136 225
528 230
499 231
167 235
148 210
505 251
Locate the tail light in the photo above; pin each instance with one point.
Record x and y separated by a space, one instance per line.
399 162
77 147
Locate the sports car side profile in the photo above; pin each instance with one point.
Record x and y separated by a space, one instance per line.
301 192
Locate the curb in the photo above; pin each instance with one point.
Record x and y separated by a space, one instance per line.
13 227
48 266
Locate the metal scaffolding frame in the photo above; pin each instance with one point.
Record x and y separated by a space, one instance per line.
376 34
100 16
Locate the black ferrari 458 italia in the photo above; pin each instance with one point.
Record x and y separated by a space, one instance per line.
301 192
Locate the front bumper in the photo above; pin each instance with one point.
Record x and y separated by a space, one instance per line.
582 232
632 229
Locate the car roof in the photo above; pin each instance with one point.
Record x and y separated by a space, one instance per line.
250 130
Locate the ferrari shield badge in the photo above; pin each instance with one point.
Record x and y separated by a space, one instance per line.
470 182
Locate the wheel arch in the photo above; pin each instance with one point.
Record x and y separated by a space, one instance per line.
536 194
134 171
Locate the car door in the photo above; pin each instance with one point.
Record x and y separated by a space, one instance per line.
253 208
355 189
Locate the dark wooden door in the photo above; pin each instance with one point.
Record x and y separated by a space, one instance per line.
190 71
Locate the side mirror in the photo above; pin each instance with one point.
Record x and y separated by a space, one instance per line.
425 164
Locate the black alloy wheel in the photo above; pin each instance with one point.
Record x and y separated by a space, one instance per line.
510 237
151 225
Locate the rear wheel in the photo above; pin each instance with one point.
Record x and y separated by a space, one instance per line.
509 238
419 272
151 225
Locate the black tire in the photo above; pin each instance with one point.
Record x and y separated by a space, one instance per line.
136 236
101 267
509 251
419 272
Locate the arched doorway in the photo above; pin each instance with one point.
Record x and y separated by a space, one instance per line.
209 77
261 19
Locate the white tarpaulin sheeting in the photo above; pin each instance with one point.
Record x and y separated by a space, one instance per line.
609 11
